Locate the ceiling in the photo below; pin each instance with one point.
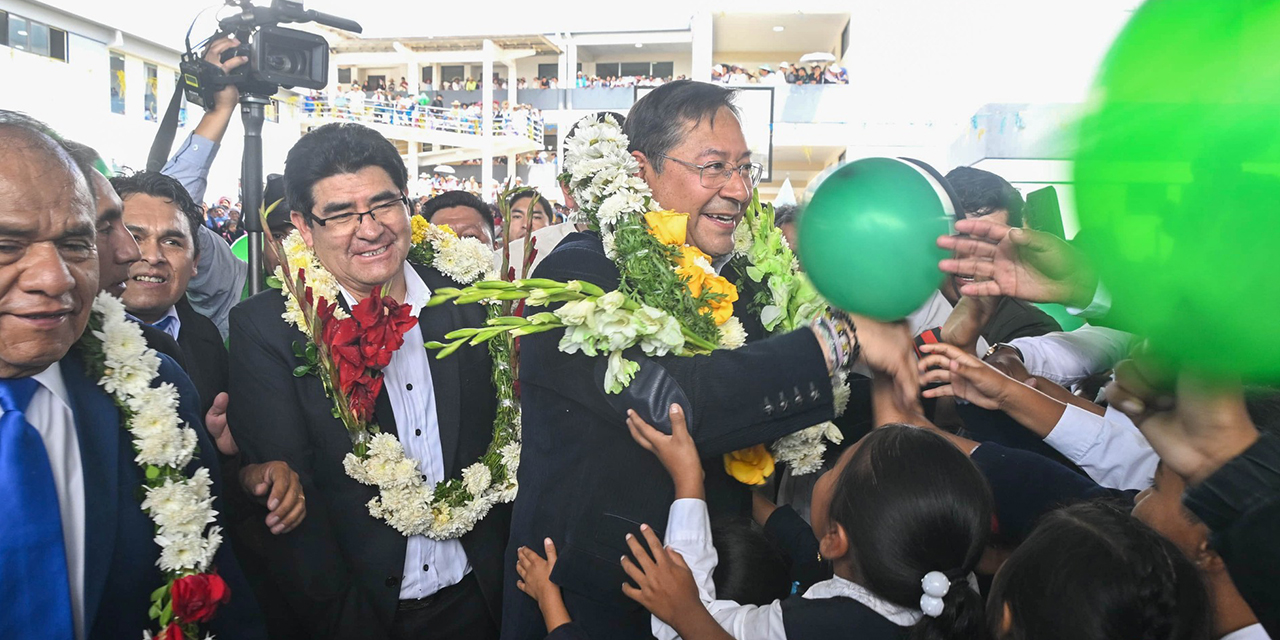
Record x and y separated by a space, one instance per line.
745 32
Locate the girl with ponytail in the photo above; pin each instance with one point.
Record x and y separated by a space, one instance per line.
903 516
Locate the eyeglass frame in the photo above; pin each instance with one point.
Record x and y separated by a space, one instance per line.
757 167
402 200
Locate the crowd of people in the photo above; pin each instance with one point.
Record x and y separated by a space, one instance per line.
422 111
787 73
983 486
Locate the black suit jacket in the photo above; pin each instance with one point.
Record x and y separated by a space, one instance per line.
341 568
204 353
585 483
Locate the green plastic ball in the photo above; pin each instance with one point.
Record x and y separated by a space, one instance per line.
868 237
1178 183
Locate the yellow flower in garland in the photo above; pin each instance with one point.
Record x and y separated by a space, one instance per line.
418 226
749 466
668 227
722 308
695 266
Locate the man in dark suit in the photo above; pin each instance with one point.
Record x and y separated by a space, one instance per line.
68 466
584 482
348 574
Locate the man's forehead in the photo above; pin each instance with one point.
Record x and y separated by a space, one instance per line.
145 211
366 181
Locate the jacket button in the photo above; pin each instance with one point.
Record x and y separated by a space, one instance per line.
393 581
799 398
782 401
813 392
768 408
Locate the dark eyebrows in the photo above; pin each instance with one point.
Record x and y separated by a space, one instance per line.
79 230
164 233
381 198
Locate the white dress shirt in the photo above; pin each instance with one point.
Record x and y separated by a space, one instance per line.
429 565
1251 632
1067 357
50 413
1109 448
689 533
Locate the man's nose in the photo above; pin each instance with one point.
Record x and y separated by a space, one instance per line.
45 272
736 188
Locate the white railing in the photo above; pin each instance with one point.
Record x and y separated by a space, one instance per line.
520 122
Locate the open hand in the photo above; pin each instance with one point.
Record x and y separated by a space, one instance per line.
277 486
535 572
677 451
1019 263
963 376
665 585
1195 429
216 423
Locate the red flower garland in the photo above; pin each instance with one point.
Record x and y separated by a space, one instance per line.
362 345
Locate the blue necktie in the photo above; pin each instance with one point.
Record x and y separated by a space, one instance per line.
35 596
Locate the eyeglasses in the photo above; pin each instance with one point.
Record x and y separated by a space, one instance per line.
716 174
353 219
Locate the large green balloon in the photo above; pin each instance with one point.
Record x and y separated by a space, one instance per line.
1178 183
868 237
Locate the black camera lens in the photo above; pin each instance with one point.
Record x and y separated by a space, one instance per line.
285 61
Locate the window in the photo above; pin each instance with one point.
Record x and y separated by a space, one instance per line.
606 69
33 37
624 69
449 72
344 75
151 103
426 75
663 70
634 69
18 38
117 83
551 70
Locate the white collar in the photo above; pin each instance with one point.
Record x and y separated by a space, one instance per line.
416 291
51 379
838 587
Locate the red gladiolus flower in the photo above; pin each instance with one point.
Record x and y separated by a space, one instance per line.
197 597
362 346
171 632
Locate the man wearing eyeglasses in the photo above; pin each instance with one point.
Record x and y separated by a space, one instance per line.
584 483
347 574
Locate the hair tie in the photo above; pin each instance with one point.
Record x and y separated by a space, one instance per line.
935 584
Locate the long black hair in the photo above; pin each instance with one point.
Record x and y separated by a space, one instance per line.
1091 571
912 503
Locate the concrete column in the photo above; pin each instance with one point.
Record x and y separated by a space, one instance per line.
415 77
435 76
411 160
486 121
571 61
702 46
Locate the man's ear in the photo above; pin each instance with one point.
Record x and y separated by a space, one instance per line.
303 226
835 543
646 169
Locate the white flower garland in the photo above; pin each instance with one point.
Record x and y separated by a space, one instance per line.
180 506
405 501
597 153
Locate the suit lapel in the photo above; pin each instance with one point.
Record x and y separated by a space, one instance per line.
98 431
435 323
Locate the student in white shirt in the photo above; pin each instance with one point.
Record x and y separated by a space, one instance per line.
902 543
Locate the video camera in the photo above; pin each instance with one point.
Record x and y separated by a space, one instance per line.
278 57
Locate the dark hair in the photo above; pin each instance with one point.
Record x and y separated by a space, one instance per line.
86 158
1092 571
333 149
912 503
751 569
525 194
458 199
657 121
983 192
156 184
784 214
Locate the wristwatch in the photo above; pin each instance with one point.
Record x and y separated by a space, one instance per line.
1003 345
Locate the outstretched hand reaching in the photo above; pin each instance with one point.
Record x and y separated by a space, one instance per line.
1020 263
677 451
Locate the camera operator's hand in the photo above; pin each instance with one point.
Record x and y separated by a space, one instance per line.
217 115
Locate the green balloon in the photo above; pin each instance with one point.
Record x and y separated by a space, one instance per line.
868 237
1178 183
240 248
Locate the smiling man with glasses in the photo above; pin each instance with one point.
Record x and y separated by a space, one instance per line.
346 574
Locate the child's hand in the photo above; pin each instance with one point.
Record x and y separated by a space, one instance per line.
535 581
963 376
676 451
535 571
666 585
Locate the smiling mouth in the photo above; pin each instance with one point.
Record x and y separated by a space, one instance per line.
373 254
150 279
724 218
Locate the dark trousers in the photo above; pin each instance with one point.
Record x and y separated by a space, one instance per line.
456 612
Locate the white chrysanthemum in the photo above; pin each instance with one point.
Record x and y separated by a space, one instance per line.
181 508
510 455
476 478
840 393
732 333
610 248
742 239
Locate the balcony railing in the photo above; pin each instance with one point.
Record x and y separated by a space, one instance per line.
452 120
